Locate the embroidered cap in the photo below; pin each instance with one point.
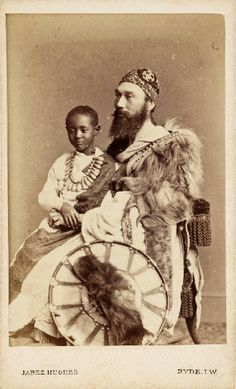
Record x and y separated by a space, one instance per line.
146 79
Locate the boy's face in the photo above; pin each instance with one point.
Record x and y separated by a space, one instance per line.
81 133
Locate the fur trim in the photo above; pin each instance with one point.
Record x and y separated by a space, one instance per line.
189 156
115 296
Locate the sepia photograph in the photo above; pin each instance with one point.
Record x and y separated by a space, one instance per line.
117 142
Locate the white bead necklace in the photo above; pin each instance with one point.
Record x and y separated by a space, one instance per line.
91 172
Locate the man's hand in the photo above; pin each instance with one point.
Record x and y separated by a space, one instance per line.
70 216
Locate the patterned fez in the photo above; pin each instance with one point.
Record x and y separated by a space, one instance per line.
146 79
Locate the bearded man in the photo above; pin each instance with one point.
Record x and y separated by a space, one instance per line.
161 167
149 206
134 106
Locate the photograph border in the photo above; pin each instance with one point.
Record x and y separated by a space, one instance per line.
119 364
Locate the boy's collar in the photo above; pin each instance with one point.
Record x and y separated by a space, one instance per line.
96 153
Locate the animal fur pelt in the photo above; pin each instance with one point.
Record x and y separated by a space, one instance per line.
116 298
167 174
164 176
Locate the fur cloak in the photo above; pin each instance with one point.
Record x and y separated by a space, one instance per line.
164 176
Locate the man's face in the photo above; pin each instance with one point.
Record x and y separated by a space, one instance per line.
81 133
130 113
129 99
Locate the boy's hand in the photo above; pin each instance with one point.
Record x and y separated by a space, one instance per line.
71 217
55 219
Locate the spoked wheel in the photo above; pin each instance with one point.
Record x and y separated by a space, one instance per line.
80 318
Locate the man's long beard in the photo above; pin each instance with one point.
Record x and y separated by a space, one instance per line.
125 126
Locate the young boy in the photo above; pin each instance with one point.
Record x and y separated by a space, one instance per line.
77 181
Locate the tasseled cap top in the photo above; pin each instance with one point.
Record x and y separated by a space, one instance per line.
146 79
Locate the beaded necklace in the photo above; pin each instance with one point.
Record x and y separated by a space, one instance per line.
92 172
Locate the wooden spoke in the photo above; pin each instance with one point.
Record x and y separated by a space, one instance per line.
130 261
68 283
91 336
68 264
72 321
139 271
88 250
108 252
153 308
67 306
152 291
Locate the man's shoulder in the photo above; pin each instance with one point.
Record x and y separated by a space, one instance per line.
160 130
150 132
188 134
172 130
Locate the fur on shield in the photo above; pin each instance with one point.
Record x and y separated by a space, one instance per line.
115 296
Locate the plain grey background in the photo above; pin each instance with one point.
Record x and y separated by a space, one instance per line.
58 61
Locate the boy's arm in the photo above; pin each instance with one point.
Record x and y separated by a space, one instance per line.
49 198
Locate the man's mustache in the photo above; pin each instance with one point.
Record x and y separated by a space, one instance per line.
119 113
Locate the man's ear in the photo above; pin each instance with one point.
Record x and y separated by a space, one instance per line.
97 129
150 105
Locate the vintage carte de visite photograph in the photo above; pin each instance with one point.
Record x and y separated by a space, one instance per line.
118 137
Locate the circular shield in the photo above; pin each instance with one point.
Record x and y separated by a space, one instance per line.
80 319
